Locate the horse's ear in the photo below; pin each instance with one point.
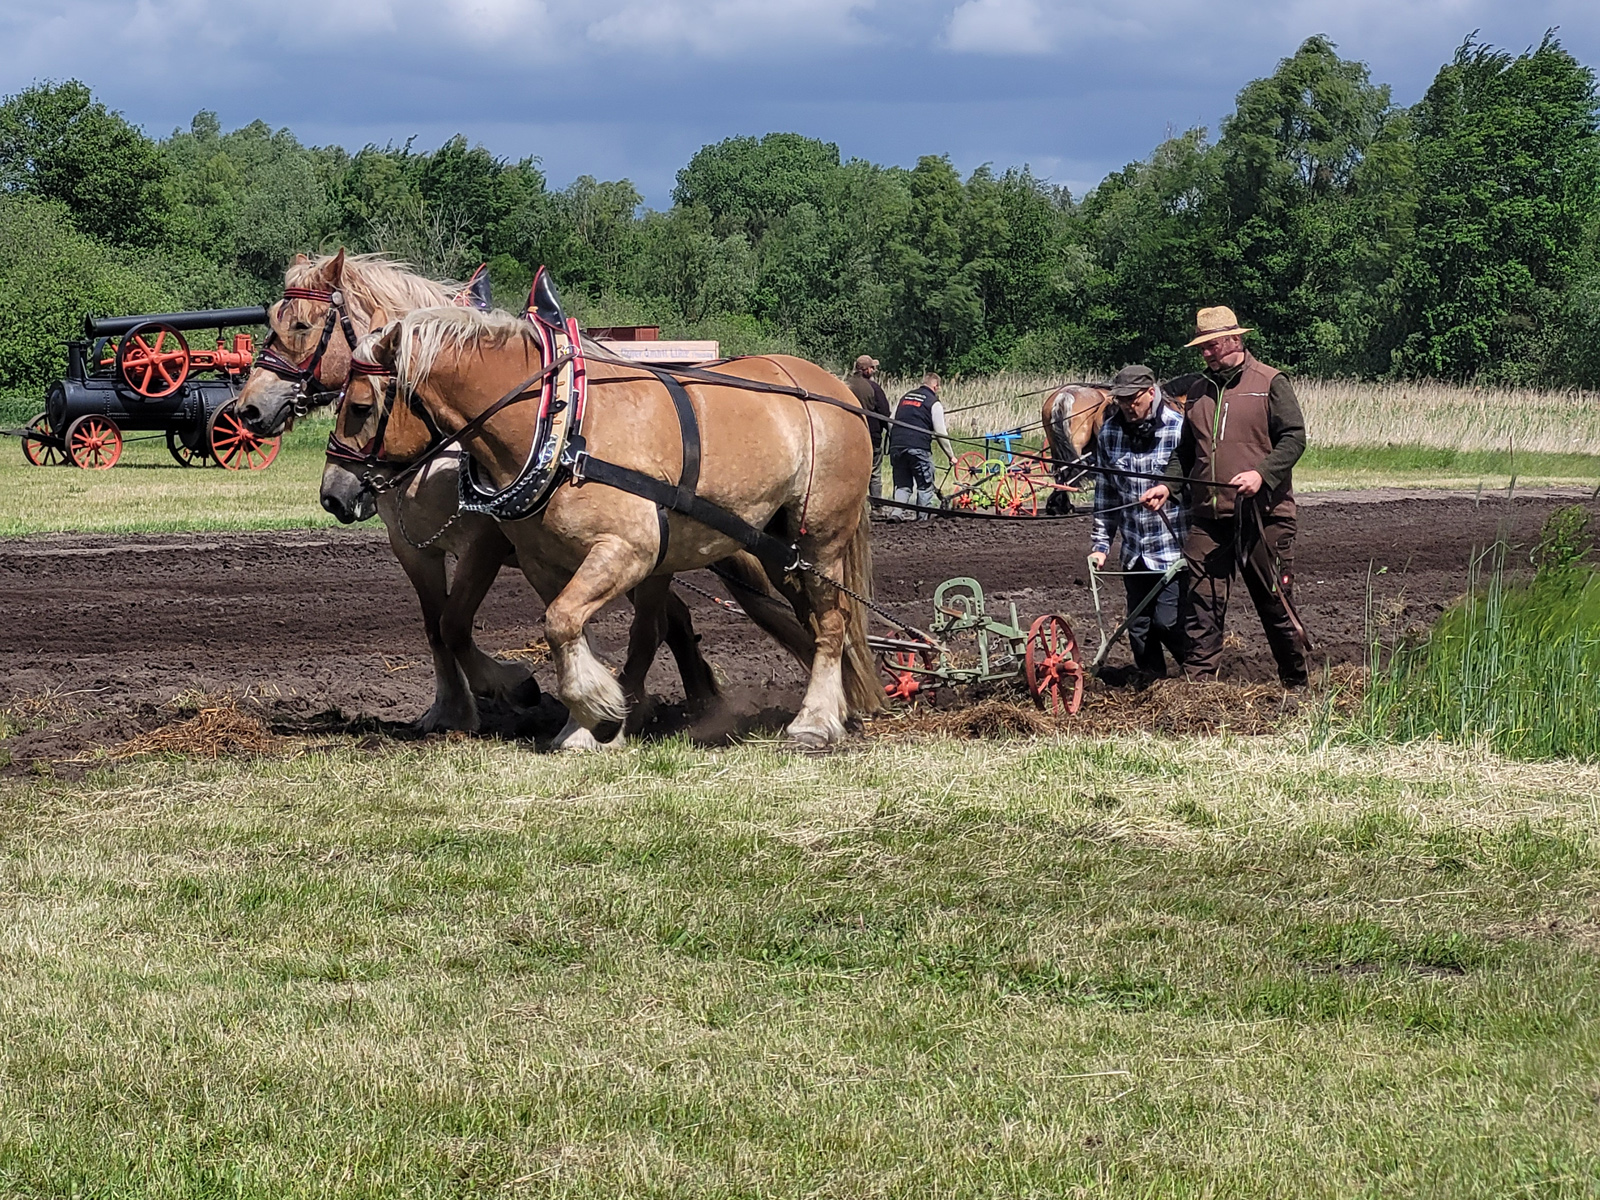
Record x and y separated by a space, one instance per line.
333 273
300 260
384 349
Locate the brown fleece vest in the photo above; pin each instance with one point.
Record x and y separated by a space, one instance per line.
1231 436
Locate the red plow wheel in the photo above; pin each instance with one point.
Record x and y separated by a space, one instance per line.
904 684
35 449
153 359
94 443
1015 496
1053 667
235 447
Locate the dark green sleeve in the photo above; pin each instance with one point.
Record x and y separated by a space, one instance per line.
1287 429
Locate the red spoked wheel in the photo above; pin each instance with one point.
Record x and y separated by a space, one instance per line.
904 684
1052 666
1016 496
94 443
972 472
35 448
153 359
235 447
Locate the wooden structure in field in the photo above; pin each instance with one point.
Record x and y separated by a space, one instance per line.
644 344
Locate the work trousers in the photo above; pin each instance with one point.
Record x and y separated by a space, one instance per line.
1213 563
875 487
1158 625
913 482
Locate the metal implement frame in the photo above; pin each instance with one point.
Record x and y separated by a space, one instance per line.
1106 642
959 608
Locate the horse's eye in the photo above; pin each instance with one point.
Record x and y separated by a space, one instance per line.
361 410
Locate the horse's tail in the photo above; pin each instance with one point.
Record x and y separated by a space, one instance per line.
1047 419
863 691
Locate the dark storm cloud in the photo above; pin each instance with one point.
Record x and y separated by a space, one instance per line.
618 88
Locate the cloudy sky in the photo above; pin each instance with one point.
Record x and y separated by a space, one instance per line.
631 88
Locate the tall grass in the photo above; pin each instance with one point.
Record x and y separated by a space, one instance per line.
1515 663
1338 412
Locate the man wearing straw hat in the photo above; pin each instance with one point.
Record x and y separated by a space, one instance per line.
1242 435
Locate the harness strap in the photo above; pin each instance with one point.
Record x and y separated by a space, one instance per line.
689 477
770 550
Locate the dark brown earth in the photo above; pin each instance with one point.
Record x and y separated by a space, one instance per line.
104 638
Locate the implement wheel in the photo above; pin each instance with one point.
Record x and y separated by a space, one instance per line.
235 447
153 359
1015 496
184 454
94 443
1053 667
904 684
35 448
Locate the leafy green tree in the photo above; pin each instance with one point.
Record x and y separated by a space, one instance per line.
1507 163
1313 198
59 143
747 184
51 275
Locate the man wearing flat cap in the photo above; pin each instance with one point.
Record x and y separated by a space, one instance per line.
1139 437
1242 430
865 389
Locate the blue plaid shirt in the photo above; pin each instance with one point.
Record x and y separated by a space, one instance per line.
1148 542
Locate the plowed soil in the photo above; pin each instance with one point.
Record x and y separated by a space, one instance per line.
103 639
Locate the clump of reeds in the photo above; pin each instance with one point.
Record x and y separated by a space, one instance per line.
1515 664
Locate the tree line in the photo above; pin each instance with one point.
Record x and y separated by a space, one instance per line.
1458 238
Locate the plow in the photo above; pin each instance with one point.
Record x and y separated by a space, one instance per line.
965 646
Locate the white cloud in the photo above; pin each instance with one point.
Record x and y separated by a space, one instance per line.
999 27
718 28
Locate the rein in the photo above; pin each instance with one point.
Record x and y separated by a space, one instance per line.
306 375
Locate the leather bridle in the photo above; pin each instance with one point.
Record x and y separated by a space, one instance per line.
370 455
306 375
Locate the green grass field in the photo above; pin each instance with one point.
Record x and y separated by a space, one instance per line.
1049 968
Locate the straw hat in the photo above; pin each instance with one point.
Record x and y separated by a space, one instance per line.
1213 323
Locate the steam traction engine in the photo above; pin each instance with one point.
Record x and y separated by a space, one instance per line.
139 373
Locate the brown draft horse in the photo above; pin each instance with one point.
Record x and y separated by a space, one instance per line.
374 438
794 468
1072 416
375 290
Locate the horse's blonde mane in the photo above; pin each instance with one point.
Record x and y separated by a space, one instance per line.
425 333
373 282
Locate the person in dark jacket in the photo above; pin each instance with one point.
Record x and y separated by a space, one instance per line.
918 419
865 389
1242 428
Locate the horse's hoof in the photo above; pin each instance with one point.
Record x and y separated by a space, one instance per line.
575 737
809 741
437 720
525 695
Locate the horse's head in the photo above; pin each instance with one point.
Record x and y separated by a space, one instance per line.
306 357
374 432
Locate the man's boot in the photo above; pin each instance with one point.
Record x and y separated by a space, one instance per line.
902 496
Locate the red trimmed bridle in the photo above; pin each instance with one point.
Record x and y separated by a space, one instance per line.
370 455
306 375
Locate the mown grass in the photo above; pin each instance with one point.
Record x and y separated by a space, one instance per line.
147 492
1066 967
